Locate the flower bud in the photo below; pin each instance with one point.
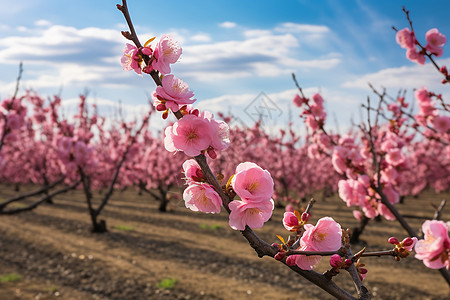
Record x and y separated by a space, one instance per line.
362 270
212 153
335 261
393 241
305 217
280 255
290 261
147 51
161 107
347 262
407 241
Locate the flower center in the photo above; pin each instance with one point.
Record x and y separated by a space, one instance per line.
320 236
253 211
252 187
192 135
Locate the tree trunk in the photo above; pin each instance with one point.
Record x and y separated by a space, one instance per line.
357 231
163 201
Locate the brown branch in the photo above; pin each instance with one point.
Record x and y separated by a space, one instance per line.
394 211
42 200
438 212
31 194
360 288
261 247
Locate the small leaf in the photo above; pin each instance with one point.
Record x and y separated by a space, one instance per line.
149 41
229 181
281 239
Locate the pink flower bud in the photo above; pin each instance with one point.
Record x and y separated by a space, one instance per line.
212 153
305 217
335 261
280 255
393 241
147 51
290 261
161 107
362 270
408 241
347 262
195 112
443 70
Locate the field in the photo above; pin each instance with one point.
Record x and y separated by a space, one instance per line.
49 253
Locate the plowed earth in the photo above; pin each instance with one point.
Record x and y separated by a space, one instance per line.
57 257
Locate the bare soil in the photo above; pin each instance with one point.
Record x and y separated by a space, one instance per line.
57 256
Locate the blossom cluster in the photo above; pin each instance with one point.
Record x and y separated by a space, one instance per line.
428 114
326 235
407 40
251 183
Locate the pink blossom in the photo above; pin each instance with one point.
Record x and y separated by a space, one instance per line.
172 93
290 221
220 132
318 100
415 56
422 95
338 159
325 236
81 153
13 121
435 41
297 100
385 212
252 183
306 262
192 171
65 145
434 249
389 174
406 38
441 124
190 134
369 208
311 122
290 208
202 197
10 138
351 191
358 215
395 157
167 52
253 214
391 193
129 59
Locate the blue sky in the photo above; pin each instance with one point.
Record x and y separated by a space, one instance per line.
232 50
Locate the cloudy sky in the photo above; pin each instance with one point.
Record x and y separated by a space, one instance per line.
233 51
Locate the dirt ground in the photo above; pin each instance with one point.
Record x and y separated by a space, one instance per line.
184 255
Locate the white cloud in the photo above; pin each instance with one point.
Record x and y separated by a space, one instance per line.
251 33
201 37
259 55
227 24
43 23
406 77
301 28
